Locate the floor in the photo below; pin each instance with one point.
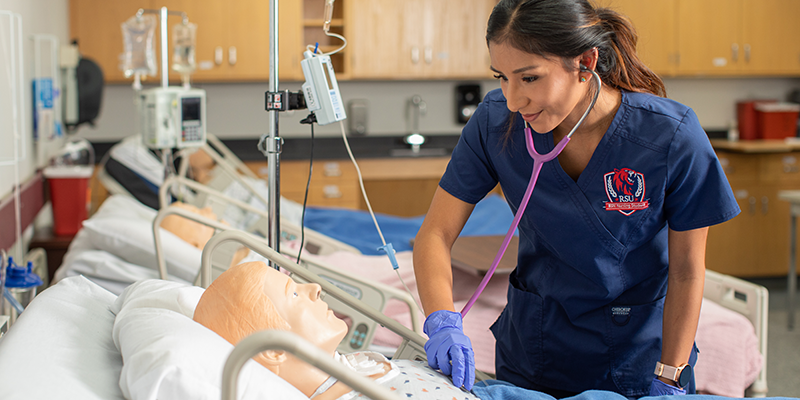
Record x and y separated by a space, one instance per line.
783 345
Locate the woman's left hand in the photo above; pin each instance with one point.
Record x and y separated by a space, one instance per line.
659 388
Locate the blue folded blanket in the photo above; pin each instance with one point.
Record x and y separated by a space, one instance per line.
491 216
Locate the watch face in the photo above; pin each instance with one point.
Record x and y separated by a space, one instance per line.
686 376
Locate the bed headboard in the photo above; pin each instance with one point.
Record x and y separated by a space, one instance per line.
750 300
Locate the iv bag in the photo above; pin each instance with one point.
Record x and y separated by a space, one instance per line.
138 36
183 44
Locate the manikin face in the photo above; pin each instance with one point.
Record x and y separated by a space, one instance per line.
541 89
301 307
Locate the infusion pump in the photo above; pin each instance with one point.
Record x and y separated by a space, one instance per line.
172 117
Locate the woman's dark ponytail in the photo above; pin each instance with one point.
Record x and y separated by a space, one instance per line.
567 29
620 66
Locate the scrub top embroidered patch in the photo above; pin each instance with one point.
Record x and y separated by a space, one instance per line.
625 189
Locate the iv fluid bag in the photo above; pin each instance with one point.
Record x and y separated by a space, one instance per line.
183 44
138 37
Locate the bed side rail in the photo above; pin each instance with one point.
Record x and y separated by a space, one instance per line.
257 244
376 294
302 349
316 243
413 345
750 300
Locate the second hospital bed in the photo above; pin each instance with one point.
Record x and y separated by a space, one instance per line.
78 340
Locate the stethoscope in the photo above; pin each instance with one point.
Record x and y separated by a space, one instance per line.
538 161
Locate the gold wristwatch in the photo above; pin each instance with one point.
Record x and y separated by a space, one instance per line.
680 375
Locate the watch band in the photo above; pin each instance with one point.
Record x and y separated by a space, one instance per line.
667 371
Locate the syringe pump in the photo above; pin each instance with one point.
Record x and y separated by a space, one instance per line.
321 90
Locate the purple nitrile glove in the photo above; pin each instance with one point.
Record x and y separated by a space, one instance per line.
659 388
448 348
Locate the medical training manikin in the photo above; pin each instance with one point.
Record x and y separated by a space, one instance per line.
252 296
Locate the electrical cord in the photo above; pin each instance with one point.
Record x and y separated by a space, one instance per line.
310 119
313 49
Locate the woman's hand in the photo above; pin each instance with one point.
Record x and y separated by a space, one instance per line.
448 348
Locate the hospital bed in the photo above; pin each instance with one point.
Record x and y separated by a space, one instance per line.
149 326
116 251
131 169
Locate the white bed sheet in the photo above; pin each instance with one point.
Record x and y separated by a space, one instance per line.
61 346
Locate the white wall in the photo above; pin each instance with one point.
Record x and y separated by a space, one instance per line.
38 17
237 110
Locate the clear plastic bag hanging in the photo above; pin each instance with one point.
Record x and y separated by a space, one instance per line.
138 36
183 44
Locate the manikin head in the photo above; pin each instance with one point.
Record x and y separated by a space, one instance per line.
251 297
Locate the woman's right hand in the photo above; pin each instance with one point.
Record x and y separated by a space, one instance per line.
448 348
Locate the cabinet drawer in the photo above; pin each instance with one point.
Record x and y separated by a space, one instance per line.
780 168
739 168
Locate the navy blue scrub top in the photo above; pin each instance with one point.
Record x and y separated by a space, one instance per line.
585 302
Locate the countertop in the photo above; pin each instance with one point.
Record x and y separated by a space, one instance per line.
327 148
756 146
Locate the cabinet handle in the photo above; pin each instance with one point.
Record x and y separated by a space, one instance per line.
764 205
232 55
415 55
331 192
428 55
752 201
746 53
735 52
218 55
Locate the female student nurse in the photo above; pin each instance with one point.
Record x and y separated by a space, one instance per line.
610 269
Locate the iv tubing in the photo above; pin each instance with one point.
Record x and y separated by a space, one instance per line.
372 214
538 162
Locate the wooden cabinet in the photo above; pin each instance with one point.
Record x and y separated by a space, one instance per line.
756 242
396 186
738 37
232 37
418 39
655 23
95 24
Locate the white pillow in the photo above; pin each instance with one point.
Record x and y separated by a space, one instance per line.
120 205
103 268
169 356
131 239
61 346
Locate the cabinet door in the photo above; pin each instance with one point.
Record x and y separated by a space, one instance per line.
773 231
709 38
418 39
233 38
455 39
732 246
771 31
96 24
377 42
655 23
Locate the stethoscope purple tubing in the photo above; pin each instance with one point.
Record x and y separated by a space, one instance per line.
538 162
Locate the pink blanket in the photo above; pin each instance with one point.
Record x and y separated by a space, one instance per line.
724 337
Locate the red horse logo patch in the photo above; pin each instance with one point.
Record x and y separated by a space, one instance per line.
625 189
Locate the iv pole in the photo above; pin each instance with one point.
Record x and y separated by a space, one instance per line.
270 144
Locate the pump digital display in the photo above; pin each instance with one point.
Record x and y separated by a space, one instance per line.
190 108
